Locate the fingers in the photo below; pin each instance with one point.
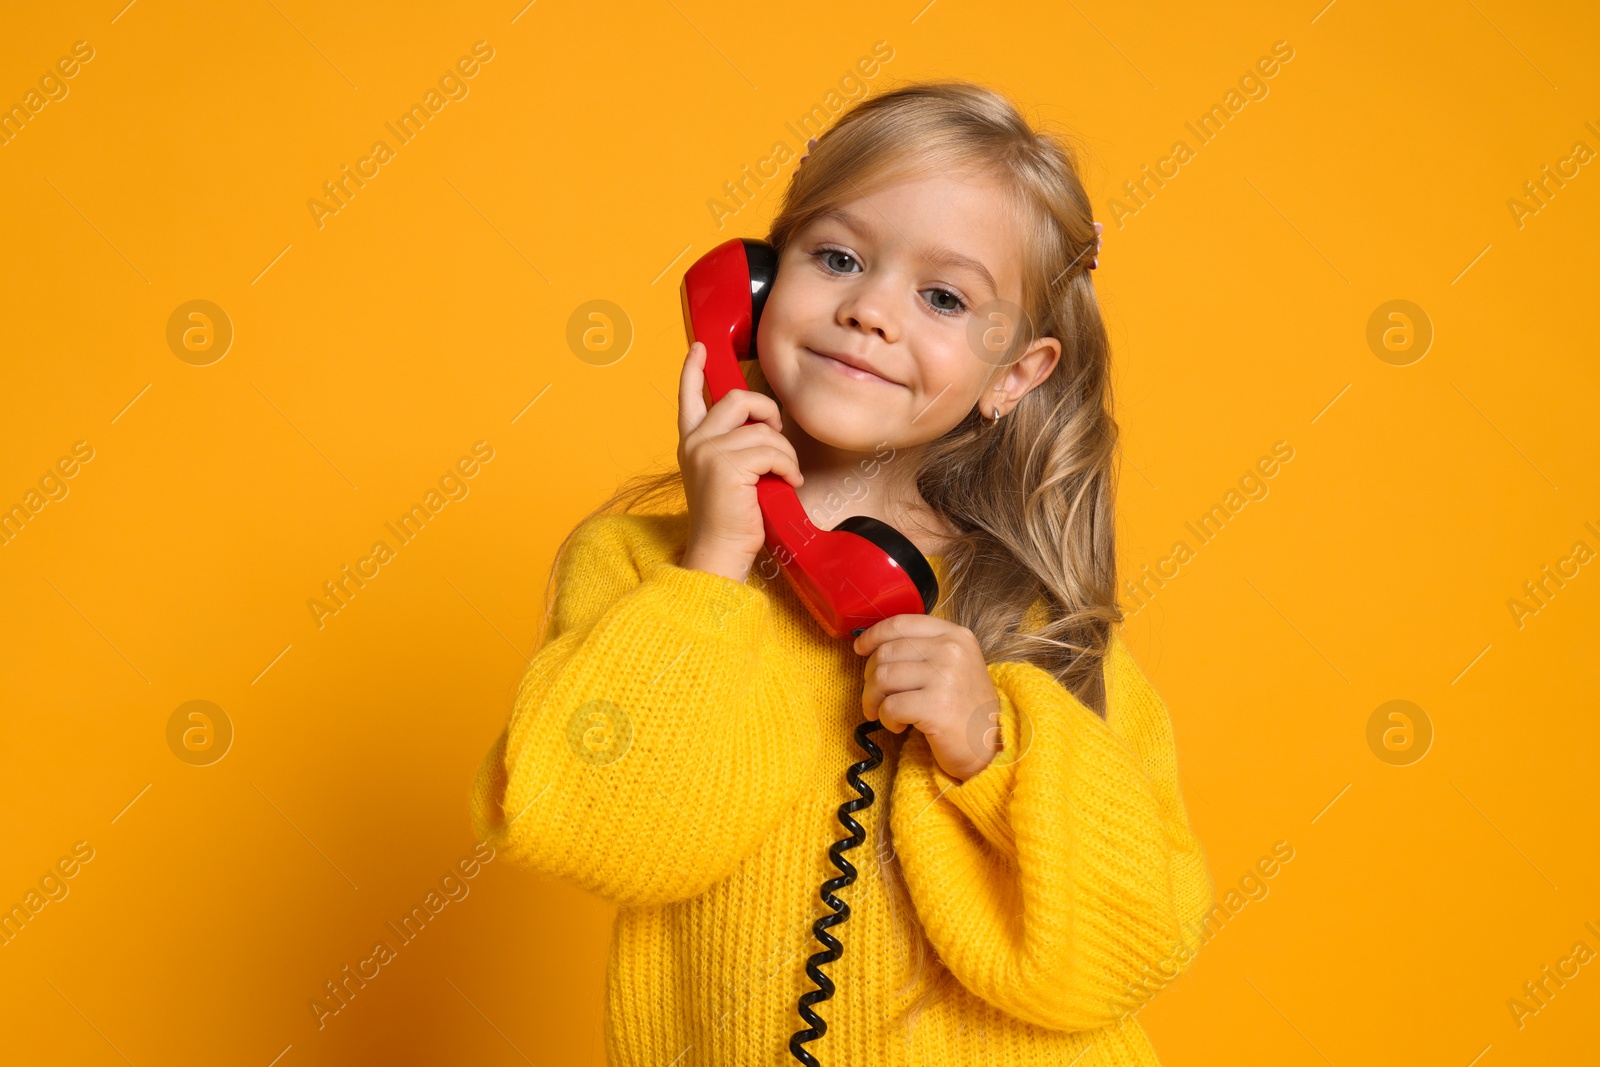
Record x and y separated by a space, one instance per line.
769 459
738 407
753 449
882 681
902 626
762 450
733 410
691 383
897 711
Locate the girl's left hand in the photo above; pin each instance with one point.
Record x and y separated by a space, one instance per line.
927 672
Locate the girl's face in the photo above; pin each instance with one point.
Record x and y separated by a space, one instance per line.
912 284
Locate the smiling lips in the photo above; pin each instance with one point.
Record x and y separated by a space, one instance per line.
848 370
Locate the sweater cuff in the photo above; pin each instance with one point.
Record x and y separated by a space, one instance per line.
985 798
710 604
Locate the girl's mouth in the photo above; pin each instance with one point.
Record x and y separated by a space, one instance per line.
847 370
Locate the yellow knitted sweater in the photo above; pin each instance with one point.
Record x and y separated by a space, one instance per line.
678 746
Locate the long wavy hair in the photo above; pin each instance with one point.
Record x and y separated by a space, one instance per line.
1030 497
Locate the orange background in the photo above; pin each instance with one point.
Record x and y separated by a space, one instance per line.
431 312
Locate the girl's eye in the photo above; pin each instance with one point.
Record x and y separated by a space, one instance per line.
954 305
827 254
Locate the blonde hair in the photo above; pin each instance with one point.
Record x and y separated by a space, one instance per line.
1030 497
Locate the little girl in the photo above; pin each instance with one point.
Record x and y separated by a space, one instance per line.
931 355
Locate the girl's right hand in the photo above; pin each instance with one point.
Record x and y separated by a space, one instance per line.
722 459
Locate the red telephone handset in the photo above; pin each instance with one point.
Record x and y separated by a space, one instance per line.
862 571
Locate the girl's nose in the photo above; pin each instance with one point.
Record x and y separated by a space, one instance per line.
870 307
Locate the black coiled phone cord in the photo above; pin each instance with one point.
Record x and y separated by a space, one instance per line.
841 910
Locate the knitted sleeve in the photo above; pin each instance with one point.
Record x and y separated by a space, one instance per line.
1062 881
650 747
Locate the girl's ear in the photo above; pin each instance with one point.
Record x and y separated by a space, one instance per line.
1029 371
1050 355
